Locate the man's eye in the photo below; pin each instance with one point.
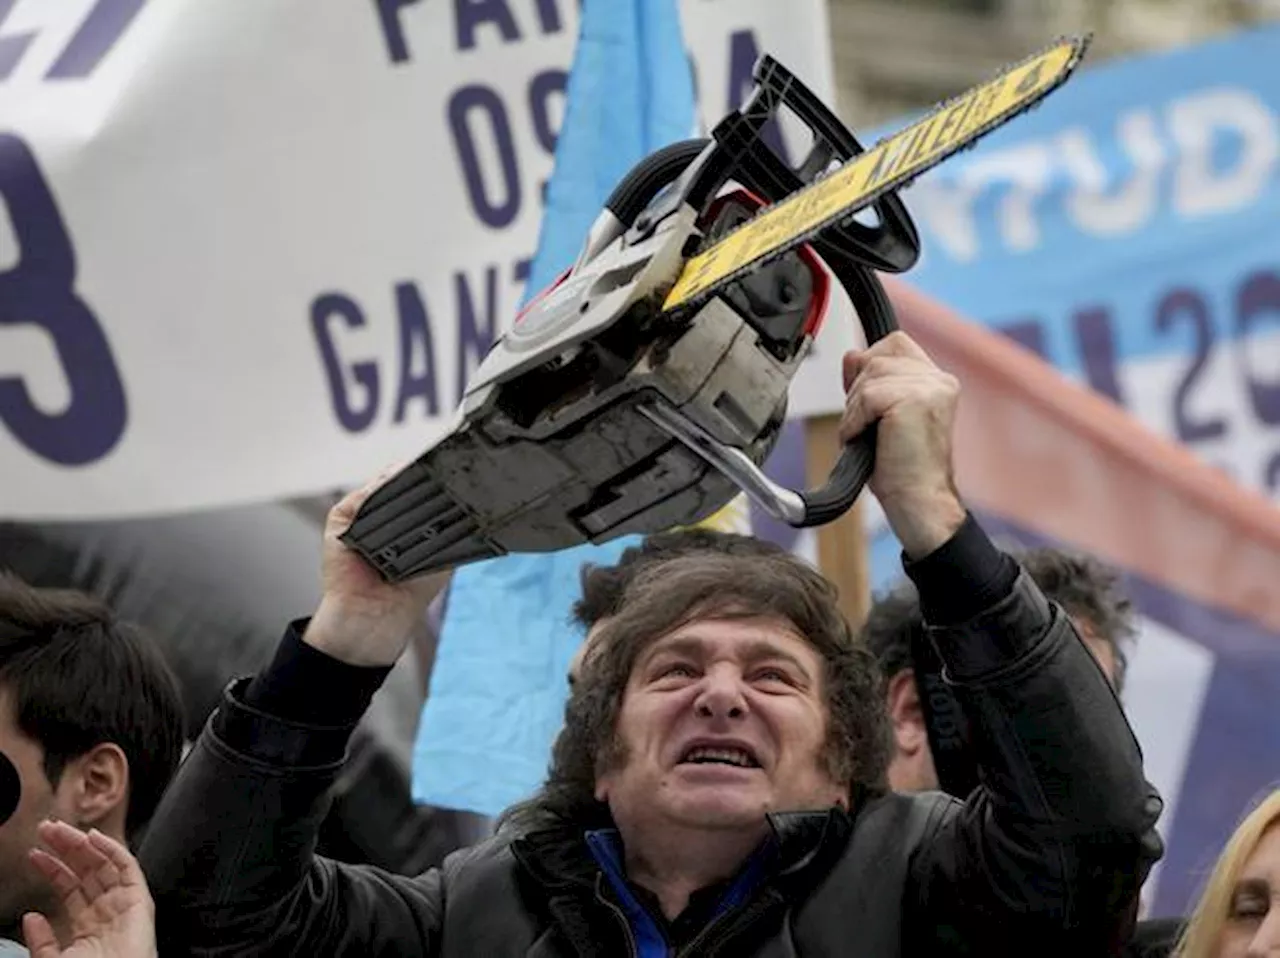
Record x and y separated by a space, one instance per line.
676 670
773 675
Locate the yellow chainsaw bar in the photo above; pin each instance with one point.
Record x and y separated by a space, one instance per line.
892 163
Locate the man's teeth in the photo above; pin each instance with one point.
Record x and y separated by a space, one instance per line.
728 756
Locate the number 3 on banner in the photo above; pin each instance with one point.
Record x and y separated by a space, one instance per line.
40 289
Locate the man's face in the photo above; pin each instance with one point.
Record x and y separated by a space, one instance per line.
22 889
722 721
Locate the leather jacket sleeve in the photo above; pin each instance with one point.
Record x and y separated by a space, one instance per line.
1052 848
229 853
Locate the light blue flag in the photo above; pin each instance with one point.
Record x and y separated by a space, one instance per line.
630 92
499 682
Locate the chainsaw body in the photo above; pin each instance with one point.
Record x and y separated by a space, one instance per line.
565 433
648 385
599 414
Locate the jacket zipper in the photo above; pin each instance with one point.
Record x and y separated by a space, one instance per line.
622 919
744 916
691 948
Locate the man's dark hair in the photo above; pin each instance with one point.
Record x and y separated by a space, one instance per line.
77 677
1087 589
661 596
604 586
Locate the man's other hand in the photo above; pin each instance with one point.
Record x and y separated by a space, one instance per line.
894 383
108 906
362 619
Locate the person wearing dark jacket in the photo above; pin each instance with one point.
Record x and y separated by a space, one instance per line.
931 751
718 787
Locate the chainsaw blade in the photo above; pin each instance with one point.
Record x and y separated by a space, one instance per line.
892 163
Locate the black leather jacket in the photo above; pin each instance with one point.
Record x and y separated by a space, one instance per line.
1047 857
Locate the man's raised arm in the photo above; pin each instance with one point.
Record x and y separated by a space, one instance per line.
1053 848
229 854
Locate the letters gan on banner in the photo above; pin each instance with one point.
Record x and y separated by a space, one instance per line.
250 251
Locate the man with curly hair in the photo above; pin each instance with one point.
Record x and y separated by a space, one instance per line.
921 707
718 787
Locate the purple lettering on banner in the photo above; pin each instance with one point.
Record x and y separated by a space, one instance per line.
1027 333
1258 299
469 14
417 353
743 54
39 289
393 27
462 104
352 418
549 16
475 335
520 270
542 87
104 25
1189 305
1096 335
12 47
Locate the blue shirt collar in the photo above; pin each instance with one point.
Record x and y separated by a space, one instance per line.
606 848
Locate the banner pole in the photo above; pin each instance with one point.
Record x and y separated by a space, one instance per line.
842 544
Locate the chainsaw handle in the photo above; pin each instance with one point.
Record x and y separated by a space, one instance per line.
858 458
837 495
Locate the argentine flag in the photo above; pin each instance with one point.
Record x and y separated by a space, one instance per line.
499 681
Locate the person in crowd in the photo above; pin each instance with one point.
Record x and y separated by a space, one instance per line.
1088 591
1238 912
90 720
718 786
931 745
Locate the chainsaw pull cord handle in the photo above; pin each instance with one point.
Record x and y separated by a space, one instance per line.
636 192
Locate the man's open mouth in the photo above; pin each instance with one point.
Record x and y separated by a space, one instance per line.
719 755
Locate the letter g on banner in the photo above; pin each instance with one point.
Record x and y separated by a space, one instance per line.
39 289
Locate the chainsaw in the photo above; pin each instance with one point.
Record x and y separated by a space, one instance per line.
646 387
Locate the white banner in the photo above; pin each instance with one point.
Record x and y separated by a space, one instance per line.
253 250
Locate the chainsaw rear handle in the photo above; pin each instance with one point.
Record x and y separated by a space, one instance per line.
799 509
858 458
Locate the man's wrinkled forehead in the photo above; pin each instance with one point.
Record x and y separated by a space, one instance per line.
590 645
597 633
